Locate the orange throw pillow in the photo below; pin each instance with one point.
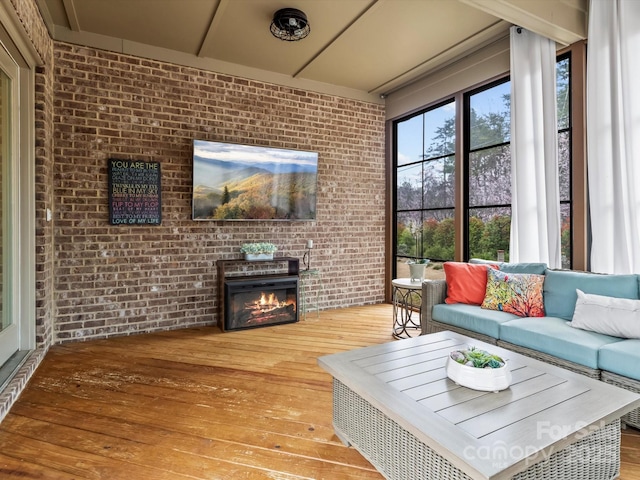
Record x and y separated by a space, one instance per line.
466 282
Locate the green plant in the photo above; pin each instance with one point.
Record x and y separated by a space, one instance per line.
421 261
474 357
258 248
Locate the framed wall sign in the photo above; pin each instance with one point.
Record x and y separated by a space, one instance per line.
134 192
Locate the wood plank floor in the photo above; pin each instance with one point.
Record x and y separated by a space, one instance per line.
198 404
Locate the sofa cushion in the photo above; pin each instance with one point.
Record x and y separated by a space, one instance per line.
622 358
619 317
471 317
466 283
560 289
556 337
517 293
535 268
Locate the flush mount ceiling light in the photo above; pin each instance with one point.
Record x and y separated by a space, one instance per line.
290 24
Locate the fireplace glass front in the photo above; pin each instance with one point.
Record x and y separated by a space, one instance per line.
260 301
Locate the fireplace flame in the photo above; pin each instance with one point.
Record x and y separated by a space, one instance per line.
268 302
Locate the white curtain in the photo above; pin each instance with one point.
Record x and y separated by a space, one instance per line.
613 134
535 202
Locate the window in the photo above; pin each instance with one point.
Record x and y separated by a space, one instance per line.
425 166
563 87
425 184
488 165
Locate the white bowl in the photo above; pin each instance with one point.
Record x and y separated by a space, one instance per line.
484 379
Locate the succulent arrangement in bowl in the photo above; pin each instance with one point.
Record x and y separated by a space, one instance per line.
474 357
478 369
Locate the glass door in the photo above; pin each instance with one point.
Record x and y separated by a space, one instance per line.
9 183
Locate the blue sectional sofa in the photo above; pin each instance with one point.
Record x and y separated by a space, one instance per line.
550 338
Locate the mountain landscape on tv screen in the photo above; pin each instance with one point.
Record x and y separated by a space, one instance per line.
239 182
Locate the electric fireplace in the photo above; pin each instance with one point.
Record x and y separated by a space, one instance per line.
260 301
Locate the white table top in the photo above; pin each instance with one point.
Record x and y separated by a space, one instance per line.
407 283
545 409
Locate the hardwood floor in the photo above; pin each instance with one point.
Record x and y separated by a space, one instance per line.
198 404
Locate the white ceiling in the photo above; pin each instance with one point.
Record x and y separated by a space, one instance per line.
357 48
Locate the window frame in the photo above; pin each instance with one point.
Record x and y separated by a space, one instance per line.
570 141
451 100
466 154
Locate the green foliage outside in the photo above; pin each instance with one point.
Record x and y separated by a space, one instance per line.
443 235
406 242
438 238
490 237
485 239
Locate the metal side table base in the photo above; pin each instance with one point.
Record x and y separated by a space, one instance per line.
407 300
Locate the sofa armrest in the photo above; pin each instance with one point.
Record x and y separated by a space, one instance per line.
433 293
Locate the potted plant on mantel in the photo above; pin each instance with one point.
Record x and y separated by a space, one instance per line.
258 251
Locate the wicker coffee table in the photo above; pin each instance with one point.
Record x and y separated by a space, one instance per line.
395 405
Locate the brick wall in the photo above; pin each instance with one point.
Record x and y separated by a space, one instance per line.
114 280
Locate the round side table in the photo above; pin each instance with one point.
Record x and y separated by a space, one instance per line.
405 296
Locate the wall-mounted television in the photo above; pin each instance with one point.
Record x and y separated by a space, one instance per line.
248 182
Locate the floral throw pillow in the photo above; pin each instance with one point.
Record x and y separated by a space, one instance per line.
517 293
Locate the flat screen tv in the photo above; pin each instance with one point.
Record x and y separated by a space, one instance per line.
246 182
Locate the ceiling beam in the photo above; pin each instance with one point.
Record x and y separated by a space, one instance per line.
72 16
564 21
207 42
372 7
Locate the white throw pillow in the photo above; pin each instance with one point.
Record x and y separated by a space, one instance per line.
618 317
